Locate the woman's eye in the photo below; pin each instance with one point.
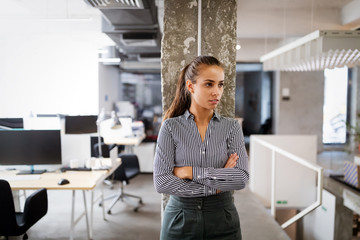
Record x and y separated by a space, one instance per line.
221 85
208 84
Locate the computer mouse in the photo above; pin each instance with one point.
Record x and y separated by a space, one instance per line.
63 181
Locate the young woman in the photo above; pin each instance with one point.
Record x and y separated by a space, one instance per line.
200 157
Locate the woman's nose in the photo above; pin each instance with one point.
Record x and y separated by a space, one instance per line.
216 92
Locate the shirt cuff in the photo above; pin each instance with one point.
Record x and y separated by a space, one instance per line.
199 174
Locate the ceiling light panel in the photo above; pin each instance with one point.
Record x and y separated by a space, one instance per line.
317 51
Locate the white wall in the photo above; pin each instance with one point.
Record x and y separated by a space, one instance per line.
320 223
295 185
49 63
48 57
109 86
53 73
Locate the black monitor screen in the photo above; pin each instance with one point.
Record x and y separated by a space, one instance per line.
30 147
80 124
12 122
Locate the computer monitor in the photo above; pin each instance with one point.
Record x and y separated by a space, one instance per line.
12 122
30 147
80 124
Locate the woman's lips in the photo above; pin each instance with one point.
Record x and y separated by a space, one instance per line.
214 101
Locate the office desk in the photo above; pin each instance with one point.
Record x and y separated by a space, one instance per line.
79 180
129 142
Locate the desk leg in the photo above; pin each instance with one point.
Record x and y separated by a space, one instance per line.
87 218
16 197
129 149
72 216
92 211
103 203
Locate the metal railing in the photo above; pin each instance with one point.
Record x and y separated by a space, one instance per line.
316 168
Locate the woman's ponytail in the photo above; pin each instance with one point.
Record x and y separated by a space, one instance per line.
182 98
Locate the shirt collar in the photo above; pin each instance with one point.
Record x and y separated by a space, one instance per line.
216 116
188 115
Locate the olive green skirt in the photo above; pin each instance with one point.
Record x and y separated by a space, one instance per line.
213 217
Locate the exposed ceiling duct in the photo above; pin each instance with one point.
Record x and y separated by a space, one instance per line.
116 3
133 26
141 67
317 51
109 56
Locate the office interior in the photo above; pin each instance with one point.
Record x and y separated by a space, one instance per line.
77 58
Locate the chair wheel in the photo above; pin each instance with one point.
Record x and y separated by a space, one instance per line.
136 209
141 202
100 204
109 212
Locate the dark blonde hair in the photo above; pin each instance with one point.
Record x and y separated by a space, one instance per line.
182 100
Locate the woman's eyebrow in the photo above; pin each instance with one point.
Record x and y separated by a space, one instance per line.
212 81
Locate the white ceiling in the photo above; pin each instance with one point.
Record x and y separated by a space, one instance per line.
262 25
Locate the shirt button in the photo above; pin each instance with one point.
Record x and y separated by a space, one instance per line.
203 152
198 176
214 177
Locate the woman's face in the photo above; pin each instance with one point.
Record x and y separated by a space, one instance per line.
209 87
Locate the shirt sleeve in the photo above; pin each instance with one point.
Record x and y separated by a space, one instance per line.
164 179
226 179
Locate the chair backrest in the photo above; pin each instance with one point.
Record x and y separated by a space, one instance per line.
7 209
36 206
129 161
105 149
128 169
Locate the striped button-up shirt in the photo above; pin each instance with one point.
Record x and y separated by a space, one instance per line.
179 144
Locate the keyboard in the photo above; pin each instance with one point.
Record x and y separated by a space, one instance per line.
64 169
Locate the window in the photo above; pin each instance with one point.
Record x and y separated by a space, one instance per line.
335 102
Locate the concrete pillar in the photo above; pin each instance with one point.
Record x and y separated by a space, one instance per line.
302 111
179 45
355 78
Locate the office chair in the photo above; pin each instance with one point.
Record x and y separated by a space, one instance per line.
128 169
17 223
105 149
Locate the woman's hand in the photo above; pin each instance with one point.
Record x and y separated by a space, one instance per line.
232 160
183 172
230 163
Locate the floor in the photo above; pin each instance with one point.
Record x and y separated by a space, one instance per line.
126 224
123 223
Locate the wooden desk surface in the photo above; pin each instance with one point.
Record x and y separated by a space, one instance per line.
79 180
